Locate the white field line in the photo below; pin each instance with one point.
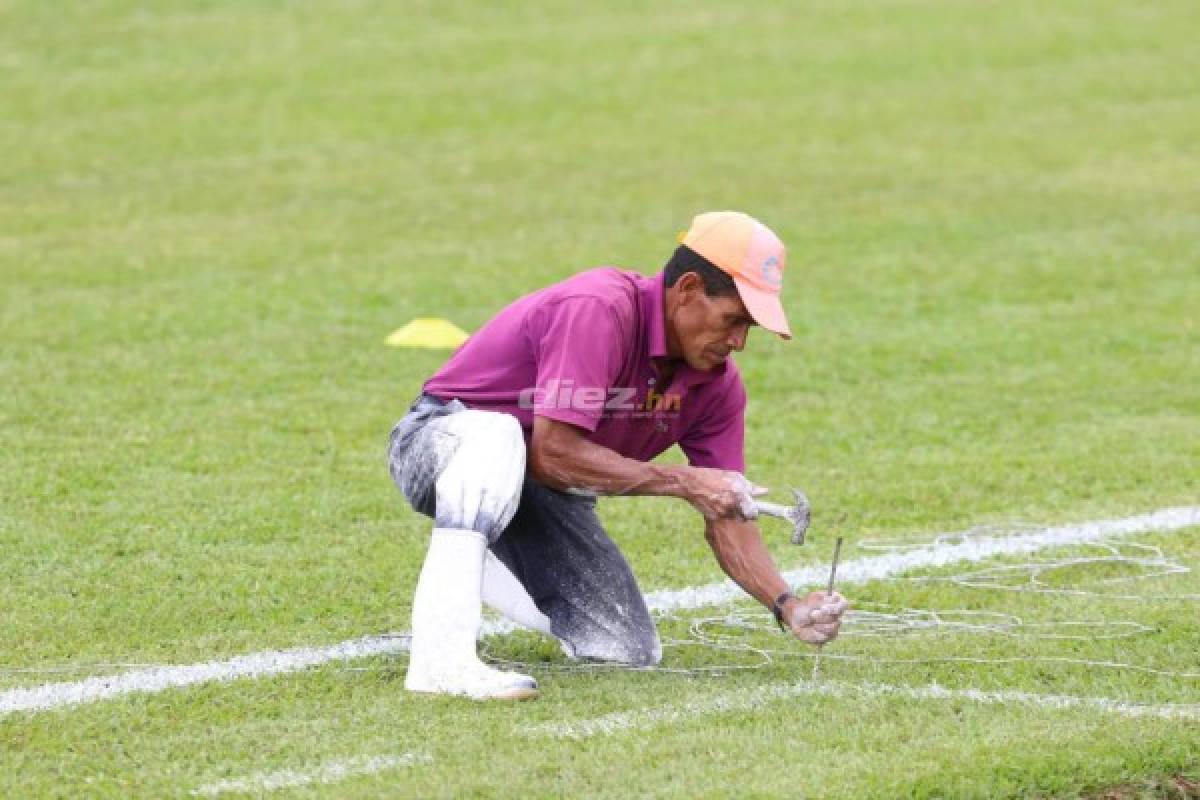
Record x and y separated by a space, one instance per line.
975 548
331 772
156 679
757 697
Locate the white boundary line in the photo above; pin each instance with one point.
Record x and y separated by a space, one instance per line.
750 699
157 679
57 695
331 772
976 548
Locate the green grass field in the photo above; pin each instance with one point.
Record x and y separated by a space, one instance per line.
212 213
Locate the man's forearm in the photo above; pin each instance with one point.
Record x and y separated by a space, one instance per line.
744 557
562 459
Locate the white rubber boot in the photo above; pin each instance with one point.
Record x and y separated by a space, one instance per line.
445 622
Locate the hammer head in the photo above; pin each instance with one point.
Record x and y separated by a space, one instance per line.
800 516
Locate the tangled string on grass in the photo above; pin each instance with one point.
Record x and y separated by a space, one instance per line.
1137 561
732 631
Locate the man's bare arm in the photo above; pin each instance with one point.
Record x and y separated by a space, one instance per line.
563 457
743 555
741 552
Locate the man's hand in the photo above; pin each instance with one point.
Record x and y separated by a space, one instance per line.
816 618
719 493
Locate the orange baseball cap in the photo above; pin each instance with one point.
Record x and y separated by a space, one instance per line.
751 254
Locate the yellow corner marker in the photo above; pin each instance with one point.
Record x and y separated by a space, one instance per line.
429 332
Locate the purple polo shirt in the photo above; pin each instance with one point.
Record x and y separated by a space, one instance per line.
581 352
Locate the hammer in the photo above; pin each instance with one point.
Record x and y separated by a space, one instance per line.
798 514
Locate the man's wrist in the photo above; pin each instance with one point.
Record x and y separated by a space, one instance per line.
672 479
780 608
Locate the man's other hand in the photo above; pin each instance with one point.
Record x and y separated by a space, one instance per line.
815 618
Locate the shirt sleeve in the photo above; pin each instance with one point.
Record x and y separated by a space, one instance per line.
718 438
577 345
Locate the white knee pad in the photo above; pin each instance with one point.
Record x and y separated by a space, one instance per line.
480 486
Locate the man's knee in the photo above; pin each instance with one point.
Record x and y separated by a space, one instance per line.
635 645
647 651
480 486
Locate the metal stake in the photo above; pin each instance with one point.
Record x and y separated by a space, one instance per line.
837 552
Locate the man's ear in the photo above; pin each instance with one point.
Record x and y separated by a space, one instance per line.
690 286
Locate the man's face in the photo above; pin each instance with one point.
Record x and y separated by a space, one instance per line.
709 328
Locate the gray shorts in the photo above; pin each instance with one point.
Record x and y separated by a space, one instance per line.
555 545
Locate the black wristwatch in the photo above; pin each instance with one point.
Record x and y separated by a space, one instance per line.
777 608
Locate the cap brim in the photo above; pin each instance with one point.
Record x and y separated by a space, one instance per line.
764 307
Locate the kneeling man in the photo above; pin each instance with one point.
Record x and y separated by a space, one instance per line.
567 394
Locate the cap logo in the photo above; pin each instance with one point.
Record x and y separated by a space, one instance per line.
772 273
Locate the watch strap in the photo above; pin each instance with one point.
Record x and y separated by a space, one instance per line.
777 608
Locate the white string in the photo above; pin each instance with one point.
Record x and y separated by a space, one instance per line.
1140 561
878 620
